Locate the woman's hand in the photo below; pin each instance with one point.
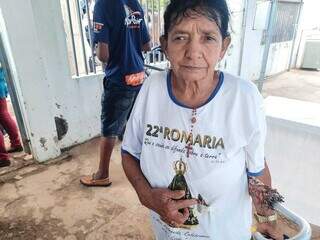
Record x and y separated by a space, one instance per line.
167 204
264 197
270 230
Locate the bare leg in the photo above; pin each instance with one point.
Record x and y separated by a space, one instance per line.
106 147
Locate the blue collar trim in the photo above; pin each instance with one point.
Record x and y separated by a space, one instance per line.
176 101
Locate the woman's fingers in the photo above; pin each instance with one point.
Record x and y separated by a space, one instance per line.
167 205
270 230
182 204
181 217
176 218
176 194
185 214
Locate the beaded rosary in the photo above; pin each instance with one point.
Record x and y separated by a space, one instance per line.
193 121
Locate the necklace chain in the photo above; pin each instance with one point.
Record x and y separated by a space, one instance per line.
193 120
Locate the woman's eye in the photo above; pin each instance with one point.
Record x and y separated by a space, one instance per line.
180 38
209 38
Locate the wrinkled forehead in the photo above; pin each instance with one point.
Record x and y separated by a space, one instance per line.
197 14
195 23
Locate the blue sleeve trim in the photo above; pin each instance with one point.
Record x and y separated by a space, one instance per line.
126 152
257 174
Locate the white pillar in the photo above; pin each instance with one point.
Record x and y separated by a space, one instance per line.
31 78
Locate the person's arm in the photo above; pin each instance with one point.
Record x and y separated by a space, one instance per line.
146 47
102 51
266 176
264 198
161 200
101 30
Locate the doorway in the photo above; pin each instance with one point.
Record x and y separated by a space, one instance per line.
12 100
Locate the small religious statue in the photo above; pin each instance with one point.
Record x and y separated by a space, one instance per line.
180 183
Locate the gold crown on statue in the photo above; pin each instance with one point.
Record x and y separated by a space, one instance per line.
180 167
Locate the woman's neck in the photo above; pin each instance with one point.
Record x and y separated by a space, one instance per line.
194 93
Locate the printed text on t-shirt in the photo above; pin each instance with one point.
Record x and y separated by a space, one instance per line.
203 141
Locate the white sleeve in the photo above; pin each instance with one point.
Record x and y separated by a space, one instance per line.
133 136
255 148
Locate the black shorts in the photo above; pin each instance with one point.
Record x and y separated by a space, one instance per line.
116 106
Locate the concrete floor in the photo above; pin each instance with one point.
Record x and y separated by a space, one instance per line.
297 84
48 202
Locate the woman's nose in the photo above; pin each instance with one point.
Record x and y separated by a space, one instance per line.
194 49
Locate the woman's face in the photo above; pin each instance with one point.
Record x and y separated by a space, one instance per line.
194 47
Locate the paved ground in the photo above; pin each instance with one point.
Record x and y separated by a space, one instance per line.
48 202
296 84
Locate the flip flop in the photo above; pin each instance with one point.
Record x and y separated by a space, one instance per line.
89 181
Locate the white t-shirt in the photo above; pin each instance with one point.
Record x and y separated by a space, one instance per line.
228 144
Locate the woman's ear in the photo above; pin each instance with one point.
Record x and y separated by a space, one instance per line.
163 44
225 44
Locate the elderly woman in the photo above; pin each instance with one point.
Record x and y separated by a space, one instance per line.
196 135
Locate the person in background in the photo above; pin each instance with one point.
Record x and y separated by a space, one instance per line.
8 124
120 35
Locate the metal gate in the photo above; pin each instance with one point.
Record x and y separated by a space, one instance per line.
77 17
